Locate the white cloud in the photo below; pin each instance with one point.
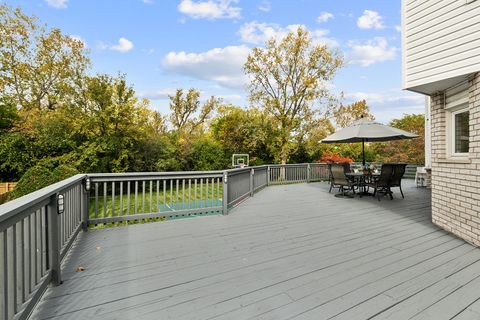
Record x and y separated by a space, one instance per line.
390 104
230 97
392 97
258 33
373 51
325 16
76 37
265 6
148 1
124 45
149 51
398 28
161 94
210 9
221 65
59 4
370 20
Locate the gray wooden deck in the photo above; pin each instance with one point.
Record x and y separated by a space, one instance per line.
292 251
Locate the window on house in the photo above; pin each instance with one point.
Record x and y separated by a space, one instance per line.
457 116
461 131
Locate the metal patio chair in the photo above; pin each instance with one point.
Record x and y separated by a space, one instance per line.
381 184
398 172
340 180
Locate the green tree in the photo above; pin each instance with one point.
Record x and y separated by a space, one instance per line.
40 67
408 151
8 114
205 154
184 108
112 124
241 130
346 115
288 78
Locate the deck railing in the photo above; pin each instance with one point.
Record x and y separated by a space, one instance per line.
37 230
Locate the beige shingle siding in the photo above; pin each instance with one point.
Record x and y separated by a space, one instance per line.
456 186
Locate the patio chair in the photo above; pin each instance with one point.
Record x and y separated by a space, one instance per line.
381 184
339 179
398 172
346 168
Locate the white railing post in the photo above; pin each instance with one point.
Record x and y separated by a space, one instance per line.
308 172
225 193
252 187
85 204
268 176
54 240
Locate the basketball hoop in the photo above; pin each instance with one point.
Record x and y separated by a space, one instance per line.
240 160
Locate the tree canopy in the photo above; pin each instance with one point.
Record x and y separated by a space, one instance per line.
288 78
56 113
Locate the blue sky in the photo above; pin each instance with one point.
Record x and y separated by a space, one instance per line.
166 44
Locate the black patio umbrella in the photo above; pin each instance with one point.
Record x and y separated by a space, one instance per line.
367 131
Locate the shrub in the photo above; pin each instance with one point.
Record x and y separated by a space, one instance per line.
333 157
40 176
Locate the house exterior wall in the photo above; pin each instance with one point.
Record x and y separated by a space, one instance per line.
441 41
456 183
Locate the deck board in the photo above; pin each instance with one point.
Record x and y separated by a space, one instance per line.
290 252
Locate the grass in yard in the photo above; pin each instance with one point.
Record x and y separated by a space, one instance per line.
165 201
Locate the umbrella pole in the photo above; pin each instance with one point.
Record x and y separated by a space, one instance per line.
363 152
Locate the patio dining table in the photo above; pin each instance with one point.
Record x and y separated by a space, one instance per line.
361 179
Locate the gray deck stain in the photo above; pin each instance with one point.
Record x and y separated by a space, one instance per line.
290 252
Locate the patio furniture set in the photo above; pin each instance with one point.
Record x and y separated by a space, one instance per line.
349 181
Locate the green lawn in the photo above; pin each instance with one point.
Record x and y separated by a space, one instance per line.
168 200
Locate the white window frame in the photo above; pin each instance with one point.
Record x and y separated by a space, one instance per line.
456 100
450 138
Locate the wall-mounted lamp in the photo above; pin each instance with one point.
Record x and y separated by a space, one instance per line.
60 203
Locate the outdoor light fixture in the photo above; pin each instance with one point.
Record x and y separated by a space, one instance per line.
87 184
60 203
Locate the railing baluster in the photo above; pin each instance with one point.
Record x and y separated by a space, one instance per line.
183 193
113 199
22 235
35 247
206 192
14 268
189 193
218 191
121 199
195 193
104 199
128 198
151 197
176 194
96 200
164 193
136 197
157 208
143 196
171 194
213 193
201 193
5 274
42 242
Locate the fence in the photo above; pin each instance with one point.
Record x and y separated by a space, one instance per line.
37 230
5 189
